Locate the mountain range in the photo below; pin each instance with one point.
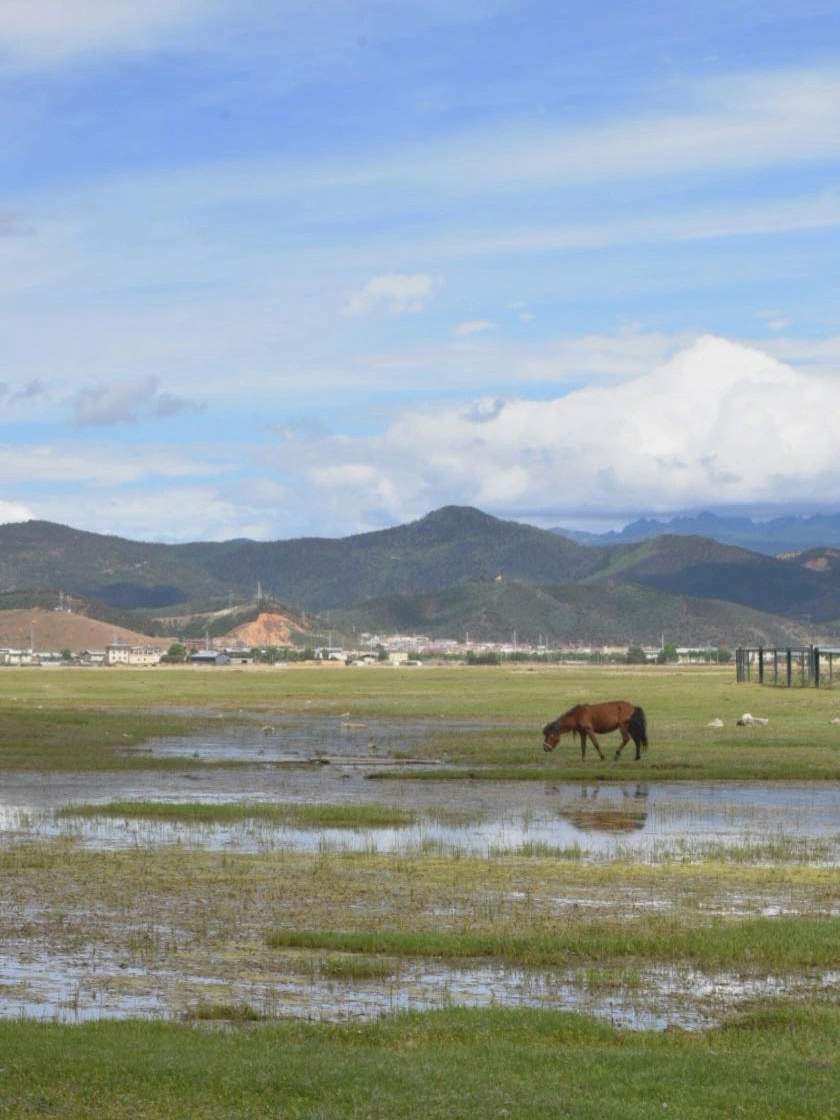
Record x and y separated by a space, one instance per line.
774 536
454 572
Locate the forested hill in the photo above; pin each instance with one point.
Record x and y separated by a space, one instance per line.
450 554
445 548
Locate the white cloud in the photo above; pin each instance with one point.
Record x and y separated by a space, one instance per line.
820 355
773 320
392 293
484 361
719 424
473 326
176 513
39 32
738 125
739 121
14 511
124 400
62 464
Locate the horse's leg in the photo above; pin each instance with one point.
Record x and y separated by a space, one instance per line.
624 737
596 744
582 734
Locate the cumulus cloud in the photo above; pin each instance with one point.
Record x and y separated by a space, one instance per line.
14 511
720 424
392 293
124 401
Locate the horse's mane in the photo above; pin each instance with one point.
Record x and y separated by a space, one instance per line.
555 723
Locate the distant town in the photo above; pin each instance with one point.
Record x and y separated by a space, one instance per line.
398 650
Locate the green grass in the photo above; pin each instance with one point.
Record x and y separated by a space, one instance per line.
449 1065
304 815
86 739
352 917
775 945
482 721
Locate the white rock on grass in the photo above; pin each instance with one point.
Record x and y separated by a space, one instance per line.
747 720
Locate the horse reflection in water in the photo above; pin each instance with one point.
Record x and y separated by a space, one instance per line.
588 719
607 818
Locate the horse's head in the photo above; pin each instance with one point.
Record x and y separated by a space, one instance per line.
551 736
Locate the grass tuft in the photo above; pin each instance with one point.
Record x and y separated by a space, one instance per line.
775 945
300 814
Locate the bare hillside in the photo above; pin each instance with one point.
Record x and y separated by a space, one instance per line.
57 630
265 630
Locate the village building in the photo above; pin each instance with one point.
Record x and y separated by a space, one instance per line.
121 653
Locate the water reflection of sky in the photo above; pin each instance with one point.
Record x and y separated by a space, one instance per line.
604 821
62 989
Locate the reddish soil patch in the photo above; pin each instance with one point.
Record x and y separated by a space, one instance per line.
265 630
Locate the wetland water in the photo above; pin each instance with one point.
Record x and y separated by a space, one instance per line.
330 761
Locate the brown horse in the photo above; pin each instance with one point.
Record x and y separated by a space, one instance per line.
587 719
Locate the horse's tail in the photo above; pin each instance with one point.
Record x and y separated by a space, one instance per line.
638 728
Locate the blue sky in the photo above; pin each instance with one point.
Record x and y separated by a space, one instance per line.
276 269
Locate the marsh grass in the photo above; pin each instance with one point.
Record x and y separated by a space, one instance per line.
536 849
610 979
87 739
454 1064
209 1012
300 814
783 849
783 945
238 924
349 967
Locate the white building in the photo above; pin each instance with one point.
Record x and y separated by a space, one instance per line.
120 653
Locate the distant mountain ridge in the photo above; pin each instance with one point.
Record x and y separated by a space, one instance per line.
456 570
779 534
447 546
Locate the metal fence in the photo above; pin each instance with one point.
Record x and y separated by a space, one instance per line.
805 666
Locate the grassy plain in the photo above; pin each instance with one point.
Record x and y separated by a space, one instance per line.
449 1065
478 717
249 920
